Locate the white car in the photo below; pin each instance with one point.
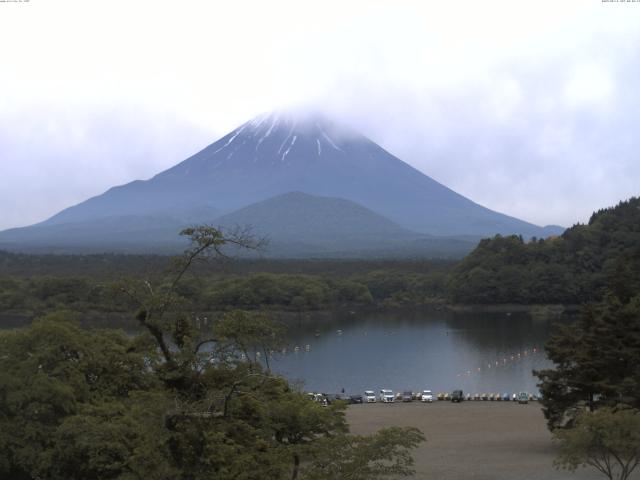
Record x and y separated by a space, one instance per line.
369 396
426 396
387 396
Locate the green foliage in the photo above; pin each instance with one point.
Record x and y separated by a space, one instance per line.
269 290
386 453
282 291
597 361
295 292
53 374
395 287
78 404
43 294
607 440
572 269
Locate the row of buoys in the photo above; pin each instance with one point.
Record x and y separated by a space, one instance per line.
271 353
506 360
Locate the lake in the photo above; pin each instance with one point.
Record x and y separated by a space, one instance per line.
409 349
416 350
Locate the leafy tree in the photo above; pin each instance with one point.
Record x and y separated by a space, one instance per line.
365 457
597 361
176 402
54 374
607 440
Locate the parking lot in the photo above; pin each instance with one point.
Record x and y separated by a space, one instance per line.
472 440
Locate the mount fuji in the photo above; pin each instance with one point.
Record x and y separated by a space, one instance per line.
274 155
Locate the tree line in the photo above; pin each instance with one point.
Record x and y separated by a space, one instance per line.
284 291
573 268
176 401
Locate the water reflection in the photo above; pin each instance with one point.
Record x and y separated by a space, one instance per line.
417 350
412 349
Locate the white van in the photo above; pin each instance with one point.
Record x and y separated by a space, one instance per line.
386 396
426 396
369 396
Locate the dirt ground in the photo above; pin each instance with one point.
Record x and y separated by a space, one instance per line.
472 440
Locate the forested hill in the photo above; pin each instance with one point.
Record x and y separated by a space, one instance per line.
573 268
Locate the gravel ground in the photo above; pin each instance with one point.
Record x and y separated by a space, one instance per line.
472 440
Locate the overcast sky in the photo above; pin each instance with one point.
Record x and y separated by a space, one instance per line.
531 108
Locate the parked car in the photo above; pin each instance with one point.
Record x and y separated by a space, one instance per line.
386 396
427 396
457 396
353 399
407 396
523 397
370 396
506 397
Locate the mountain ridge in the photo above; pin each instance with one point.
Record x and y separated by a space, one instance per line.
282 152
297 225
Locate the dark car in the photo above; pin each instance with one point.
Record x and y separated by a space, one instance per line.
457 396
353 399
407 396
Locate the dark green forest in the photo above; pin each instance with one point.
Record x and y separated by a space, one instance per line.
573 268
29 284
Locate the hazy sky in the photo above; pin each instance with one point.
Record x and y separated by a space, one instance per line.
531 108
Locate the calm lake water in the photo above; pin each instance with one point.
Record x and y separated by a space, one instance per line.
410 350
417 350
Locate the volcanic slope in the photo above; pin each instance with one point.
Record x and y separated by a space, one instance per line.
272 155
286 152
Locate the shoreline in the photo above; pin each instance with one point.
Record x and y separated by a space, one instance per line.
101 319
